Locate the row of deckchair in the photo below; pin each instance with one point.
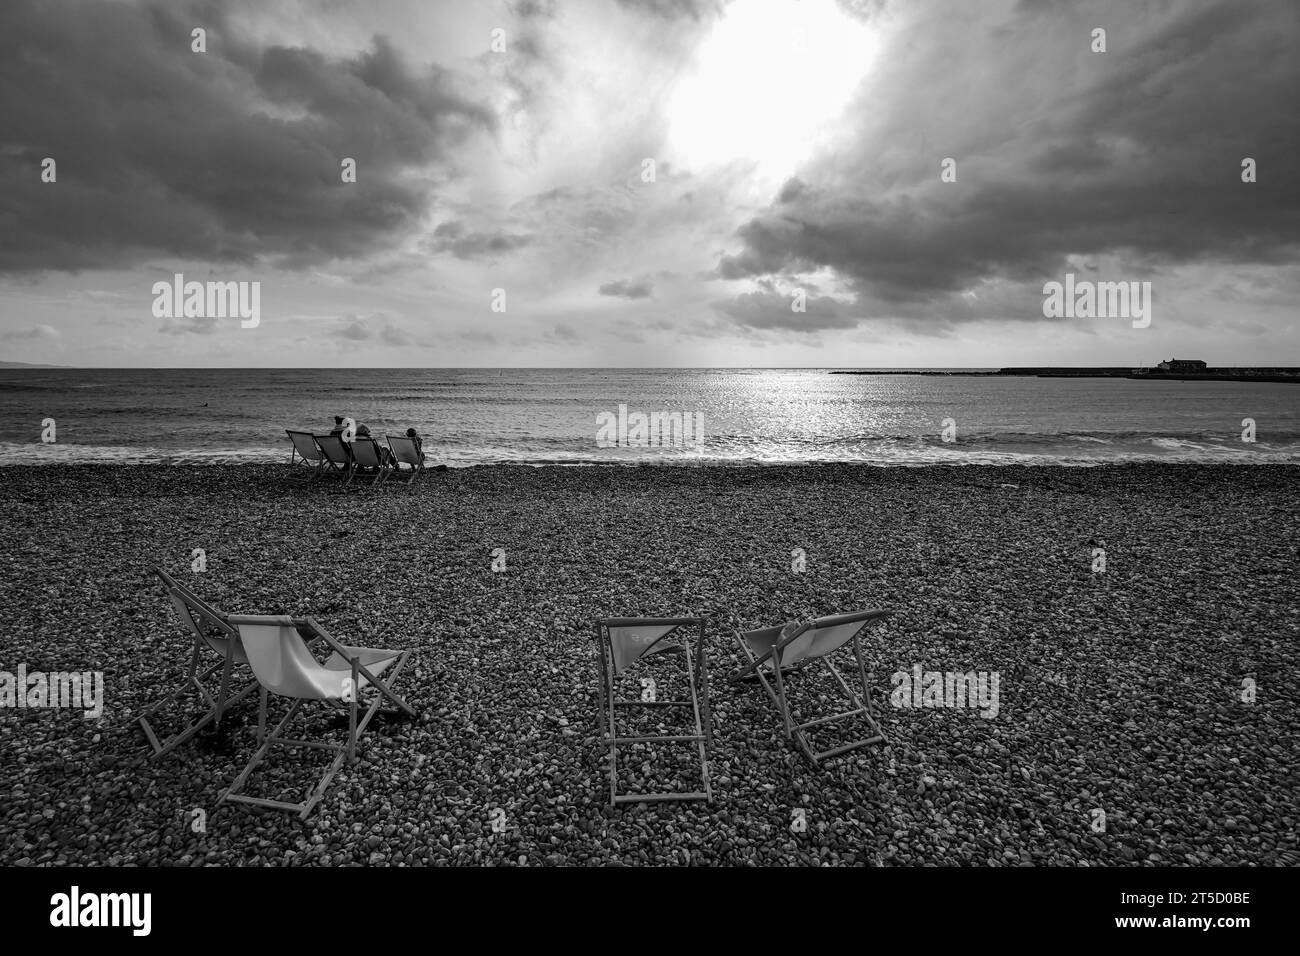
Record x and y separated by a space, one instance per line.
282 655
331 455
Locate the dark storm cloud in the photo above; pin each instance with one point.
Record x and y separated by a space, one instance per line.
628 288
230 155
456 238
769 310
1135 154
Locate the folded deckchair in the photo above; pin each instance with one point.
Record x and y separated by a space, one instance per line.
305 447
284 665
773 652
405 453
366 454
336 451
621 643
211 632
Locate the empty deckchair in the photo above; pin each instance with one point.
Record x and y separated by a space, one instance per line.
336 450
621 643
305 448
284 665
405 453
773 652
366 454
211 632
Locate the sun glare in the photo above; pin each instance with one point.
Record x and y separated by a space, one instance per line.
768 81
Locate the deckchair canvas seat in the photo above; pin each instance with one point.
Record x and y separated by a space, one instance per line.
631 643
374 659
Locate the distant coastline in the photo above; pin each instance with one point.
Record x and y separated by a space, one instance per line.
1227 374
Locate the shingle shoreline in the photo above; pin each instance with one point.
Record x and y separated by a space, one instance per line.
1120 691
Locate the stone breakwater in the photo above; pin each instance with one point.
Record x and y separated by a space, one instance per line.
1122 734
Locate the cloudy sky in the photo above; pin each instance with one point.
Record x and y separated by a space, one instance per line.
650 183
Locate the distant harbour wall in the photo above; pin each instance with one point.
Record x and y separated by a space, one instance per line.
1279 374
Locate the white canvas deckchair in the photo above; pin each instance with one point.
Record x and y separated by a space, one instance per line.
211 632
305 447
285 666
336 450
621 643
366 454
405 453
773 652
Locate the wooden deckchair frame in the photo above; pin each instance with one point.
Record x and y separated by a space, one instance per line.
342 752
699 702
862 706
199 612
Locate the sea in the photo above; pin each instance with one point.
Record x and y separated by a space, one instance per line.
756 416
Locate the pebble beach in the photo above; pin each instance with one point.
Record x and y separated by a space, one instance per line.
1148 712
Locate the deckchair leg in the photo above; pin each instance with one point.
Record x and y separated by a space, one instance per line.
225 683
267 742
762 678
866 689
352 717
780 692
319 792
189 680
801 739
695 707
261 717
613 745
226 701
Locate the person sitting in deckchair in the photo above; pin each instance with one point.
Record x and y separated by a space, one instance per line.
412 434
386 456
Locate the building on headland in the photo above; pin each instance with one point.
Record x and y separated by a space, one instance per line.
1182 365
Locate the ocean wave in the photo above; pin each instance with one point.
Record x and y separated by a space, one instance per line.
913 450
